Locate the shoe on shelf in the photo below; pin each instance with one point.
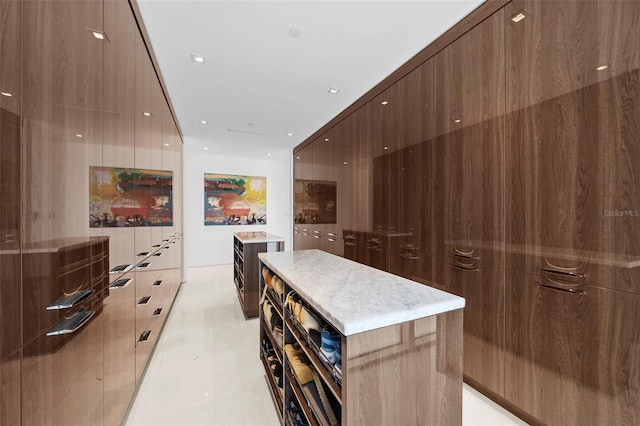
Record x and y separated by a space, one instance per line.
330 341
338 365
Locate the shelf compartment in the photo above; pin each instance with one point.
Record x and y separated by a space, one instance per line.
297 392
274 344
273 337
273 388
325 375
275 304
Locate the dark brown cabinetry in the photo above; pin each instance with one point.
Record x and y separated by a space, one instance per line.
70 100
504 168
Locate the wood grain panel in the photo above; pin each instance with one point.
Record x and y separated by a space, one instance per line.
10 64
10 389
429 362
469 153
571 358
573 161
483 291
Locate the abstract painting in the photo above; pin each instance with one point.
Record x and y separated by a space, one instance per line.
120 197
235 200
315 201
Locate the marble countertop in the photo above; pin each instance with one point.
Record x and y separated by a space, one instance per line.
257 237
356 298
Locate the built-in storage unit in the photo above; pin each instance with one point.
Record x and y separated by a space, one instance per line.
246 246
343 343
82 296
502 164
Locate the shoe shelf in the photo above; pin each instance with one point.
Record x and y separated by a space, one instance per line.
276 394
246 246
320 366
400 344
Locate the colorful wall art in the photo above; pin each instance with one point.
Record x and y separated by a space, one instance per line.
130 197
315 201
235 200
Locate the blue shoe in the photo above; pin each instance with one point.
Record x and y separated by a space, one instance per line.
330 341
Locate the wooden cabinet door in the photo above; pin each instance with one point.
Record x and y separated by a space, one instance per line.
573 159
572 358
483 290
469 151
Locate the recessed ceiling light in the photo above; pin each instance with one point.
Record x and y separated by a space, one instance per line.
204 122
7 94
166 144
294 32
268 155
79 135
518 17
289 134
146 114
326 139
384 102
385 147
333 90
99 35
198 59
457 120
205 148
602 67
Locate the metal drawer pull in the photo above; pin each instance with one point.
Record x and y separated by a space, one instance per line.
562 273
304 233
408 256
156 245
142 254
347 243
461 268
331 239
120 269
296 232
331 234
157 311
157 283
571 290
144 336
374 240
408 247
144 300
65 302
317 232
465 256
158 254
167 248
317 236
71 324
350 237
144 265
121 283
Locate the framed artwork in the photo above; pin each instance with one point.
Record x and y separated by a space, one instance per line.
315 201
235 200
120 197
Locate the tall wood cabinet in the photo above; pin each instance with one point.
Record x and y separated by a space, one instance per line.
504 168
70 101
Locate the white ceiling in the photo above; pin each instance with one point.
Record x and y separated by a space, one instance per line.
257 73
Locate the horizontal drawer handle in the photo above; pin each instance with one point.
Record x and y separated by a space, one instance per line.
144 300
157 311
465 256
317 232
331 234
144 265
462 268
71 324
156 283
70 301
144 336
120 269
142 254
158 254
410 247
576 291
331 239
408 256
347 243
121 283
562 273
350 237
156 245
317 236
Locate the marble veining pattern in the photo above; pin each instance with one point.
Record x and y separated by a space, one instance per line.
356 298
257 237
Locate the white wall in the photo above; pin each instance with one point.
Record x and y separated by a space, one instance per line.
213 245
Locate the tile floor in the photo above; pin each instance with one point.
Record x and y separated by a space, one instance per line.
206 371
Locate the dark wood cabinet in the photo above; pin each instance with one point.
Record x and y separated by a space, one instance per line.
572 356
